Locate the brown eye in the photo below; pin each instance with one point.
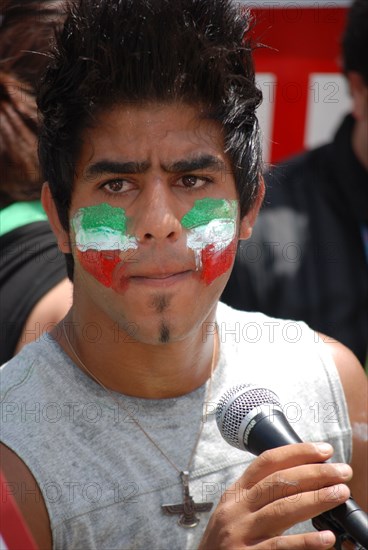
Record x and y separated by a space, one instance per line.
190 181
114 186
195 182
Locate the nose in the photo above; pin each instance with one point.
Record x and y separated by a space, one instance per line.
155 218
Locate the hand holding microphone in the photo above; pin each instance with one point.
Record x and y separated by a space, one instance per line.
251 419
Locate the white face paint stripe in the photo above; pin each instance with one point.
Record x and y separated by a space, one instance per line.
218 233
101 238
104 239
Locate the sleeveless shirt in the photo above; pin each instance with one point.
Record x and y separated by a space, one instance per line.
104 482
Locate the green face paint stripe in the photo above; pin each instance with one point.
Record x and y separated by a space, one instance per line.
102 227
206 210
93 217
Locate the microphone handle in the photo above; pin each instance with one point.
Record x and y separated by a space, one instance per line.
259 438
348 513
347 518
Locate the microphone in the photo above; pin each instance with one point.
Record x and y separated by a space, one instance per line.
250 418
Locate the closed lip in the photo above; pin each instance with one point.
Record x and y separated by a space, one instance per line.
160 279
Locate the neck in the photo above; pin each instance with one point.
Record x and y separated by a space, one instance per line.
137 369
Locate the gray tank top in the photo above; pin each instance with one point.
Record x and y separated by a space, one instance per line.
104 482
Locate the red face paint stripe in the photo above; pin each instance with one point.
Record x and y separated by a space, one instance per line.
100 265
217 263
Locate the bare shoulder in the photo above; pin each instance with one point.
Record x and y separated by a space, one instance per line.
355 384
353 378
48 311
27 496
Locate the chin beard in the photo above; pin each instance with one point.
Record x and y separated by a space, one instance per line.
164 336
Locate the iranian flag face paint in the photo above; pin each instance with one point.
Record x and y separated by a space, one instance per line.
211 225
101 236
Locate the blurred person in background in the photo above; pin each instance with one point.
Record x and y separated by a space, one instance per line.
308 256
34 291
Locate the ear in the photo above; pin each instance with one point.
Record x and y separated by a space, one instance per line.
359 94
247 223
62 236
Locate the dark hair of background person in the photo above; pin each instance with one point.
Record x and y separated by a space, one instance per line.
355 39
137 61
26 31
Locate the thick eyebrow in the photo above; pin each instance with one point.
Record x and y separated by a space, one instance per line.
201 162
115 167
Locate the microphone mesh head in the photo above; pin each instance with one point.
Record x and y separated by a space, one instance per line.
235 404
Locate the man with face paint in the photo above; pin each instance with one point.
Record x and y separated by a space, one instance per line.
150 149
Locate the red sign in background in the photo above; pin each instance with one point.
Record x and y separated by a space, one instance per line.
301 42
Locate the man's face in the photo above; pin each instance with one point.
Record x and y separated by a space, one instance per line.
154 221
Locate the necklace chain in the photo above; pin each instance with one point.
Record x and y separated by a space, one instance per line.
207 397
